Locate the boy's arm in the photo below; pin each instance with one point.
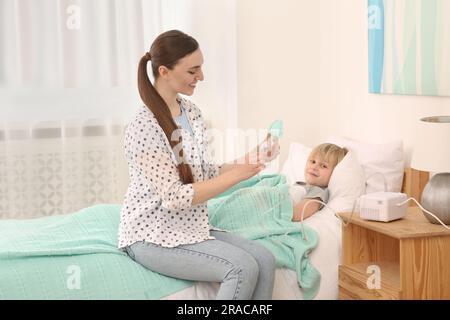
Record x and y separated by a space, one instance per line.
311 209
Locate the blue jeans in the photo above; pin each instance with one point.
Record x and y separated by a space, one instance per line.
245 269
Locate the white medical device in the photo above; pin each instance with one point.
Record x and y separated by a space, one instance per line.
382 206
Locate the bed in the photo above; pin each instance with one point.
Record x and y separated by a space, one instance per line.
347 183
326 257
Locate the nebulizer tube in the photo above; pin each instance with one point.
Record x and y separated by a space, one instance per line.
327 206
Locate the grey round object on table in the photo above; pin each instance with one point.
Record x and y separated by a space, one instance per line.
436 198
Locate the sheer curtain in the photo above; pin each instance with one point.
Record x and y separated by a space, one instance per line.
68 87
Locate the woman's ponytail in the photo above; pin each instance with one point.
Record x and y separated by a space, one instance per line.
153 100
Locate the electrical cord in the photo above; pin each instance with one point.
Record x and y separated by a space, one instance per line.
424 210
345 223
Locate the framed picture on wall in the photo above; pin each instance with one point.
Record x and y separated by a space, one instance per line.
409 47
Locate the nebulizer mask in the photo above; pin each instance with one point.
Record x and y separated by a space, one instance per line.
275 131
276 128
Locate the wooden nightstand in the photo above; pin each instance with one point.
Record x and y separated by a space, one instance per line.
412 254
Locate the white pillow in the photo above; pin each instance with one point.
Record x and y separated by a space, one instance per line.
386 158
347 183
294 166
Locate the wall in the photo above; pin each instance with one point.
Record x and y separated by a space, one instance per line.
306 63
346 107
278 67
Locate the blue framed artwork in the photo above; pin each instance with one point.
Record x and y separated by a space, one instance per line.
409 47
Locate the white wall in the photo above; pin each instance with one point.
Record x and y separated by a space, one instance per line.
306 63
278 67
346 107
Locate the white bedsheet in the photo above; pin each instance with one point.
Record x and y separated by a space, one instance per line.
285 288
326 258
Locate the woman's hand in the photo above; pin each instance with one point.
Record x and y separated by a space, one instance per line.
241 172
205 190
262 153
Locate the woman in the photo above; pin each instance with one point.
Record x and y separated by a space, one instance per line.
164 221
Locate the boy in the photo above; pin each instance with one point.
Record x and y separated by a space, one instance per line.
319 167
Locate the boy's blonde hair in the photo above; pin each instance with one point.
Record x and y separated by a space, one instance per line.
330 153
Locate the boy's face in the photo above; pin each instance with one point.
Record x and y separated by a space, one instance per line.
317 171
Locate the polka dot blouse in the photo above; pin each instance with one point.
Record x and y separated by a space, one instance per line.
158 206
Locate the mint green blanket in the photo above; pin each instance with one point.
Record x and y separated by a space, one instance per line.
75 256
260 209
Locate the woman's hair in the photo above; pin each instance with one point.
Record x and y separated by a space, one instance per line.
167 49
329 152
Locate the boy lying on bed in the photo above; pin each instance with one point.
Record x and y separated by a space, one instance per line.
319 167
262 209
